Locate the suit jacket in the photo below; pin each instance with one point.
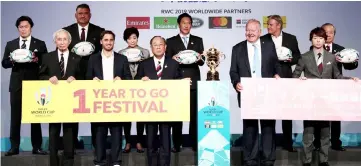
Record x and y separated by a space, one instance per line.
175 45
289 41
93 36
121 67
134 65
348 66
23 71
50 66
171 69
308 65
240 66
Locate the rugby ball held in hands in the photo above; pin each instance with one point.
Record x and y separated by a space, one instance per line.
83 48
348 55
21 55
133 54
283 53
187 57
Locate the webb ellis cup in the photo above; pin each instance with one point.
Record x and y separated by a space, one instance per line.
213 59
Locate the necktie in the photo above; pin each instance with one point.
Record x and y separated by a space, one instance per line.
82 36
327 48
159 70
256 63
319 63
62 66
185 41
23 46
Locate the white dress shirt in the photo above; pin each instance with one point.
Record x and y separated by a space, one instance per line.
86 31
187 38
250 50
156 62
28 39
108 66
66 56
277 40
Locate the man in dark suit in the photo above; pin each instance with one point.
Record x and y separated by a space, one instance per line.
61 64
20 72
82 31
185 41
257 58
283 39
330 46
108 65
159 67
317 64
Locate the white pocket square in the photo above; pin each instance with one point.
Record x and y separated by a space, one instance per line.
36 50
328 63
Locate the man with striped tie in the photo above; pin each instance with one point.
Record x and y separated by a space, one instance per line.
160 67
326 68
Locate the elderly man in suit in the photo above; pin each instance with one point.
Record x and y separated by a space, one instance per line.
20 72
257 58
317 64
82 31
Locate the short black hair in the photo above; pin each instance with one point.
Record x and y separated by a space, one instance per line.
182 16
151 40
318 31
24 18
107 32
129 32
84 6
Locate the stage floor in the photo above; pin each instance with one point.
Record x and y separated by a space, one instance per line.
351 157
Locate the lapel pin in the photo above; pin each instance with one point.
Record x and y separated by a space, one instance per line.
165 66
191 42
36 50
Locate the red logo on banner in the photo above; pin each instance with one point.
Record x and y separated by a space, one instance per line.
138 22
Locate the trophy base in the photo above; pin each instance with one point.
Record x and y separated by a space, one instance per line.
212 76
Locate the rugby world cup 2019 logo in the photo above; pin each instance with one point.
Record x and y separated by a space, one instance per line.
212 102
43 96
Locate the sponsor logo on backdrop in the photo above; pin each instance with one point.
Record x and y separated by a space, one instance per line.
165 23
206 11
241 23
197 22
220 22
43 98
265 19
138 22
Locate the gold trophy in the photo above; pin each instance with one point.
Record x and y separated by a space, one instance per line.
213 59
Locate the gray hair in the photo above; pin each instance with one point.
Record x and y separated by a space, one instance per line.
60 31
254 21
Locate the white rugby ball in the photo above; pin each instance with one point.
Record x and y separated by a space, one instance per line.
348 55
283 53
133 54
187 57
21 55
83 48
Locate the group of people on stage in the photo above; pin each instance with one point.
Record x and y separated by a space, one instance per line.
254 57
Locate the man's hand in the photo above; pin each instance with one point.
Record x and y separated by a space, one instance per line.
96 78
145 78
176 59
117 78
303 78
188 79
338 59
277 76
54 80
355 79
239 87
34 58
70 79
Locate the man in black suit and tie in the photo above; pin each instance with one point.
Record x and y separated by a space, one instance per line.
159 67
185 41
82 31
330 46
108 65
257 58
20 72
61 64
283 39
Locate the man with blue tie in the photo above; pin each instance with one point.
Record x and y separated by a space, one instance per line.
257 58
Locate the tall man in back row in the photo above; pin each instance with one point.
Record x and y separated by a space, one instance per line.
185 41
82 31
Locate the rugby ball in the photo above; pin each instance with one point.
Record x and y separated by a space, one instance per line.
83 48
348 55
21 55
283 53
187 57
133 54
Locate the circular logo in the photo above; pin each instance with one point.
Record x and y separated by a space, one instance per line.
197 22
220 21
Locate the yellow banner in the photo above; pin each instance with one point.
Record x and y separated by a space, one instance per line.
105 101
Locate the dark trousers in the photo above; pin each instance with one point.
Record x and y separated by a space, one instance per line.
140 130
15 123
68 141
177 126
76 132
287 134
251 143
335 135
101 142
163 157
308 135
